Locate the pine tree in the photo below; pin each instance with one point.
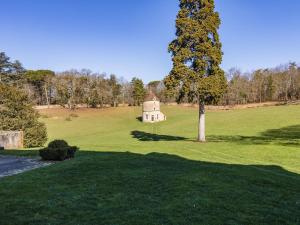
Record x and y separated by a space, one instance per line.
115 89
197 55
41 81
11 73
138 91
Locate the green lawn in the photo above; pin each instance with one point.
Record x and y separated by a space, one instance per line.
133 173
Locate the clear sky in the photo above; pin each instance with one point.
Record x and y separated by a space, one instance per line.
130 37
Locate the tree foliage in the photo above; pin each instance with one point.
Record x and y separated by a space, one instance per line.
17 113
41 83
138 91
196 54
273 84
11 73
158 88
72 88
115 88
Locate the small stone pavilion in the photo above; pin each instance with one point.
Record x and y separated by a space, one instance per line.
151 109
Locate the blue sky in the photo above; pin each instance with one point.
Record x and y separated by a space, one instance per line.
130 37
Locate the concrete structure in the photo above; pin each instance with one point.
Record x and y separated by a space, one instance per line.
151 110
11 139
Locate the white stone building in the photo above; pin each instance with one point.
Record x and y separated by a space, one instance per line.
151 110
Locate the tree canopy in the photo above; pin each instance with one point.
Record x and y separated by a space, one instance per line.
17 113
138 92
11 72
196 53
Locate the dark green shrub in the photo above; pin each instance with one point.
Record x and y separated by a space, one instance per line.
58 150
71 151
58 144
54 154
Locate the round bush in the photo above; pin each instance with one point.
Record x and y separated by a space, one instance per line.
55 154
58 144
58 150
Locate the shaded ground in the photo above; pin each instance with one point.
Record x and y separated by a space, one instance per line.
133 189
144 136
283 136
11 165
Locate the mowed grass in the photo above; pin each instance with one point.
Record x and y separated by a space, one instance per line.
268 136
133 173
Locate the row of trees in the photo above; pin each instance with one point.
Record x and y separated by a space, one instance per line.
279 84
71 88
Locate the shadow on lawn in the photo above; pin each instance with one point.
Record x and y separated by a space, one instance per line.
144 136
287 136
127 188
139 118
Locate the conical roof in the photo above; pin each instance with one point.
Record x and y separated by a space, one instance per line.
150 97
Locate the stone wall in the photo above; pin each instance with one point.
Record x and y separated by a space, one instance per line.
11 139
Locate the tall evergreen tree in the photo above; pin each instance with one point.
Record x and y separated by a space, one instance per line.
138 91
115 89
41 81
11 73
197 55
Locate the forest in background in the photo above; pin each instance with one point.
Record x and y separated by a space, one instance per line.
73 87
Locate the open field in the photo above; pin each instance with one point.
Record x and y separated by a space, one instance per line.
133 173
269 136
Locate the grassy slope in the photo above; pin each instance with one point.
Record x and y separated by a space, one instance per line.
248 172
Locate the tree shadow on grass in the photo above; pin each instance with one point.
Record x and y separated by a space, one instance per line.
144 136
134 189
287 136
139 118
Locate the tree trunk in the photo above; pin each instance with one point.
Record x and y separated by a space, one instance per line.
46 95
101 102
201 127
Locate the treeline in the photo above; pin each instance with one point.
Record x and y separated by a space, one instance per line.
279 84
72 88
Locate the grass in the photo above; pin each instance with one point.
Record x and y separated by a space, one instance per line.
133 173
